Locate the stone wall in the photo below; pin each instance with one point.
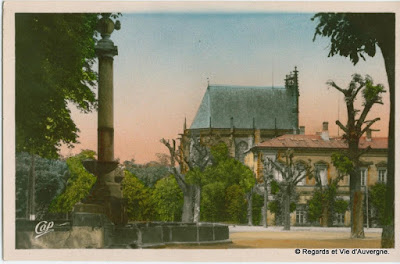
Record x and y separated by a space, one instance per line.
95 231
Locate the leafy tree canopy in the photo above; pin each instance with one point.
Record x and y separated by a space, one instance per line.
139 198
50 180
54 58
168 199
79 183
355 34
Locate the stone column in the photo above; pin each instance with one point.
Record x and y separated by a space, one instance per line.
106 195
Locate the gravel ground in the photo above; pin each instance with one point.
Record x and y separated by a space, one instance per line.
239 228
297 237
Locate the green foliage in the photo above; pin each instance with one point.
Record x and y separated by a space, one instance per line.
213 202
377 199
195 177
219 152
224 186
314 206
148 173
372 92
235 204
49 182
274 187
342 163
341 206
168 199
274 207
325 197
54 58
292 207
355 34
258 202
140 205
79 183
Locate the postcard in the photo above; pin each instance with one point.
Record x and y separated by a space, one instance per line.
200 131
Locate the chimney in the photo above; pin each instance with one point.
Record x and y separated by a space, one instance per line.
369 135
325 131
302 130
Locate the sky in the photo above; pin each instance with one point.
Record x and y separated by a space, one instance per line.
165 61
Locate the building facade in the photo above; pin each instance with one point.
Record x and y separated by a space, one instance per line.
243 116
317 149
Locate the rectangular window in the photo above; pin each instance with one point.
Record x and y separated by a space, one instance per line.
321 172
382 175
339 219
364 173
300 217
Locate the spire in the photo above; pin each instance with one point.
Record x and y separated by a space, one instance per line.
184 125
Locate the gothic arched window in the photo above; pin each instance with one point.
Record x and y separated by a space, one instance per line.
240 149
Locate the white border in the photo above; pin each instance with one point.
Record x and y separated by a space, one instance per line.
233 255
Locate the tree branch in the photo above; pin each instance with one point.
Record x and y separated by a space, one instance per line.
333 84
370 123
345 130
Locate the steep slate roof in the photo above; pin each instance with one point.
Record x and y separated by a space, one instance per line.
316 142
244 103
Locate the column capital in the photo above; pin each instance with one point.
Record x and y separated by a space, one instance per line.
105 47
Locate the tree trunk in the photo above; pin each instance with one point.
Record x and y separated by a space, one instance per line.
325 215
187 209
197 199
265 206
286 211
387 240
357 214
357 228
31 190
250 208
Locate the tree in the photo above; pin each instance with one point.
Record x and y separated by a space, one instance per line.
54 55
213 202
230 171
168 199
148 173
79 183
353 35
324 204
140 206
377 196
54 58
262 187
356 126
292 173
51 175
197 162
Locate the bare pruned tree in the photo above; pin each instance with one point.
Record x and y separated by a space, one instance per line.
199 158
292 173
353 131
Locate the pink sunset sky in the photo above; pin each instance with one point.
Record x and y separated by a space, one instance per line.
160 74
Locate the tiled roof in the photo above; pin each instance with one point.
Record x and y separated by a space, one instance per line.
245 103
316 142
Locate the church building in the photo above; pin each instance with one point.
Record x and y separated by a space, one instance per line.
243 116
